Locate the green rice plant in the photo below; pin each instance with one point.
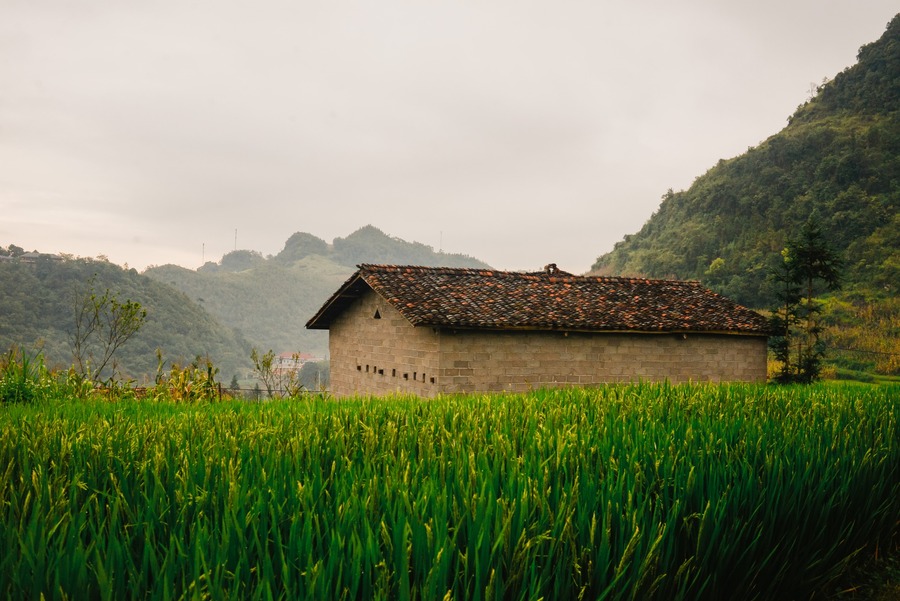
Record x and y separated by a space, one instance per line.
23 377
195 382
624 492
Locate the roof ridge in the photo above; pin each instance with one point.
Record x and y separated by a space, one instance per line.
396 268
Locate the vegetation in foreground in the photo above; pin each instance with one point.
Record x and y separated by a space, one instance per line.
650 492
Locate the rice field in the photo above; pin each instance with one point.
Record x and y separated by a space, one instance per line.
624 492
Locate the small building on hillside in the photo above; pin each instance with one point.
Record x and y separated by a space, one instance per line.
285 363
429 331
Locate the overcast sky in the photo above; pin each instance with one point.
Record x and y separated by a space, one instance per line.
519 132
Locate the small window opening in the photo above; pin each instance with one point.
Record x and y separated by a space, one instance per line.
380 372
367 369
377 314
359 368
406 376
393 373
432 379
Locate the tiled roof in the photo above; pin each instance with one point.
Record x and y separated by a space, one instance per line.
547 300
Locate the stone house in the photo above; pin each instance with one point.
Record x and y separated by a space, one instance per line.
429 331
288 362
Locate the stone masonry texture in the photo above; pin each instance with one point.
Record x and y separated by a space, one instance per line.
376 351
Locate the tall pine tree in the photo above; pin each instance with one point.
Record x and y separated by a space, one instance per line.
809 267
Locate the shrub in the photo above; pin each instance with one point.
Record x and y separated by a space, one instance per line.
23 377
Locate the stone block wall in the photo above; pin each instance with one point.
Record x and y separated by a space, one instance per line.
374 350
520 361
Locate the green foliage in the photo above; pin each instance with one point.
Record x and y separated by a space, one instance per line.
12 251
36 311
873 90
301 245
269 304
193 383
263 369
808 266
102 325
235 261
624 492
279 382
23 377
370 245
861 332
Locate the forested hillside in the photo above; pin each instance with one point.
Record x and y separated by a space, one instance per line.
838 158
840 155
268 303
270 299
37 312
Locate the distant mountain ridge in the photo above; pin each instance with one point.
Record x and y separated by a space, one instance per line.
839 157
269 299
368 244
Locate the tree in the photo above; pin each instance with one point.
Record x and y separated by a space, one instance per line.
784 315
264 368
102 326
809 266
278 380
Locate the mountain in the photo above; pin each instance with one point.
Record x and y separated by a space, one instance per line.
838 158
839 155
37 311
270 299
370 245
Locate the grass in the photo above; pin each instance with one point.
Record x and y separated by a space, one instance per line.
866 377
624 492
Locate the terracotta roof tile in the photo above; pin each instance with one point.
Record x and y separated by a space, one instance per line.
546 300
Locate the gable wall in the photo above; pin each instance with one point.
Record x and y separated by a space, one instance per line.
520 361
380 356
